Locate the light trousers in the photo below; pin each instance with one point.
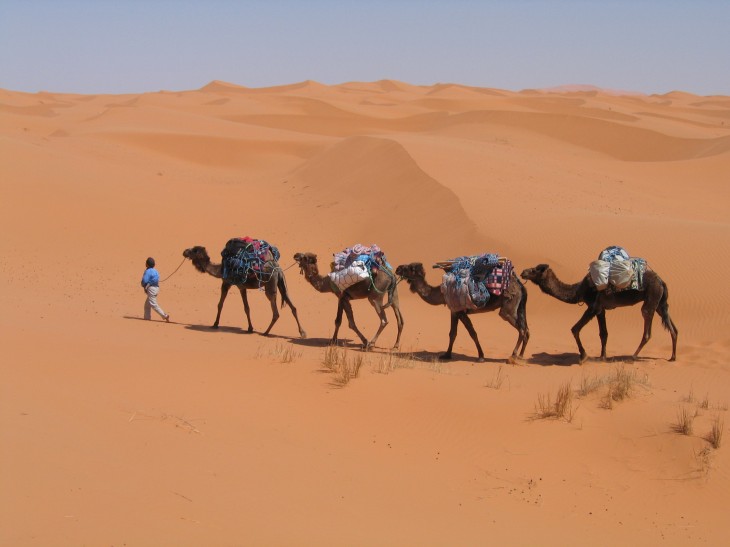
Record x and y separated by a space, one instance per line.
151 303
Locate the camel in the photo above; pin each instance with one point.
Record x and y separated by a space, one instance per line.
382 283
200 259
511 305
654 297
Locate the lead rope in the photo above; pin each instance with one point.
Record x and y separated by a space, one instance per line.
173 273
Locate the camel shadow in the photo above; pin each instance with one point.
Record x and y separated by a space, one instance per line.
570 359
325 342
554 359
429 356
235 330
227 330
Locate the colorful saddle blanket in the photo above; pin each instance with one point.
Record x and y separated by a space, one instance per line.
357 263
470 281
245 258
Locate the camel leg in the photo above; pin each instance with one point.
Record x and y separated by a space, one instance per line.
589 314
281 282
225 287
602 333
399 321
338 321
246 308
663 311
378 305
648 313
473 333
511 317
271 295
452 336
347 306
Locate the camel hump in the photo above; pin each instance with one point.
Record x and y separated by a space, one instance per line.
245 259
238 245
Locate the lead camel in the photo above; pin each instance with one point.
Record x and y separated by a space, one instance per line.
654 296
276 282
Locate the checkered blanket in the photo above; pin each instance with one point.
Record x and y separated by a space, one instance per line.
472 280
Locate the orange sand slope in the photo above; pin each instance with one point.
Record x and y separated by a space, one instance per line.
120 431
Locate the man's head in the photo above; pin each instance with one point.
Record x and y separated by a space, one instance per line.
150 262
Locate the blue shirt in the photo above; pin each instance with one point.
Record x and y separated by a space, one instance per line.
151 277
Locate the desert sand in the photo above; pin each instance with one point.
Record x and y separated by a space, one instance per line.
119 431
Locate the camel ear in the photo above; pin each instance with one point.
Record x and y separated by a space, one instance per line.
541 267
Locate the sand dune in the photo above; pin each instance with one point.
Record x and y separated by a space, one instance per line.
123 431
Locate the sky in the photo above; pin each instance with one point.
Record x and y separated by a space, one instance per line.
133 46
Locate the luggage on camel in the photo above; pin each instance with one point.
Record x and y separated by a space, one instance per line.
616 270
355 264
244 258
470 281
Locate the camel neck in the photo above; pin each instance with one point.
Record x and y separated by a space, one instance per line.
569 293
429 294
216 270
321 283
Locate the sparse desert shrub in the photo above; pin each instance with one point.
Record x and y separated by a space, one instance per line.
705 403
621 384
388 362
714 437
685 420
589 384
497 380
333 358
344 367
284 353
562 407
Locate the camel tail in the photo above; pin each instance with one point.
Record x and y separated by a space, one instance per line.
663 309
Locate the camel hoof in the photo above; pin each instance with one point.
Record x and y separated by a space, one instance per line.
302 334
445 357
672 359
481 360
515 360
214 326
583 359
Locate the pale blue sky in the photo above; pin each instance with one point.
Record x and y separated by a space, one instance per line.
120 46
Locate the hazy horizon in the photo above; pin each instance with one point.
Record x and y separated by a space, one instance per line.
646 46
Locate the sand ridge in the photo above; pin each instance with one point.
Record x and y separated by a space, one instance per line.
126 431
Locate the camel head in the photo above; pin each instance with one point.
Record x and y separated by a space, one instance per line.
535 274
199 257
306 261
412 271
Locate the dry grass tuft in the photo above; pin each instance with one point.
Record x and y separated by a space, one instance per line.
714 437
589 384
497 380
705 403
388 362
685 420
621 384
284 353
344 367
562 407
